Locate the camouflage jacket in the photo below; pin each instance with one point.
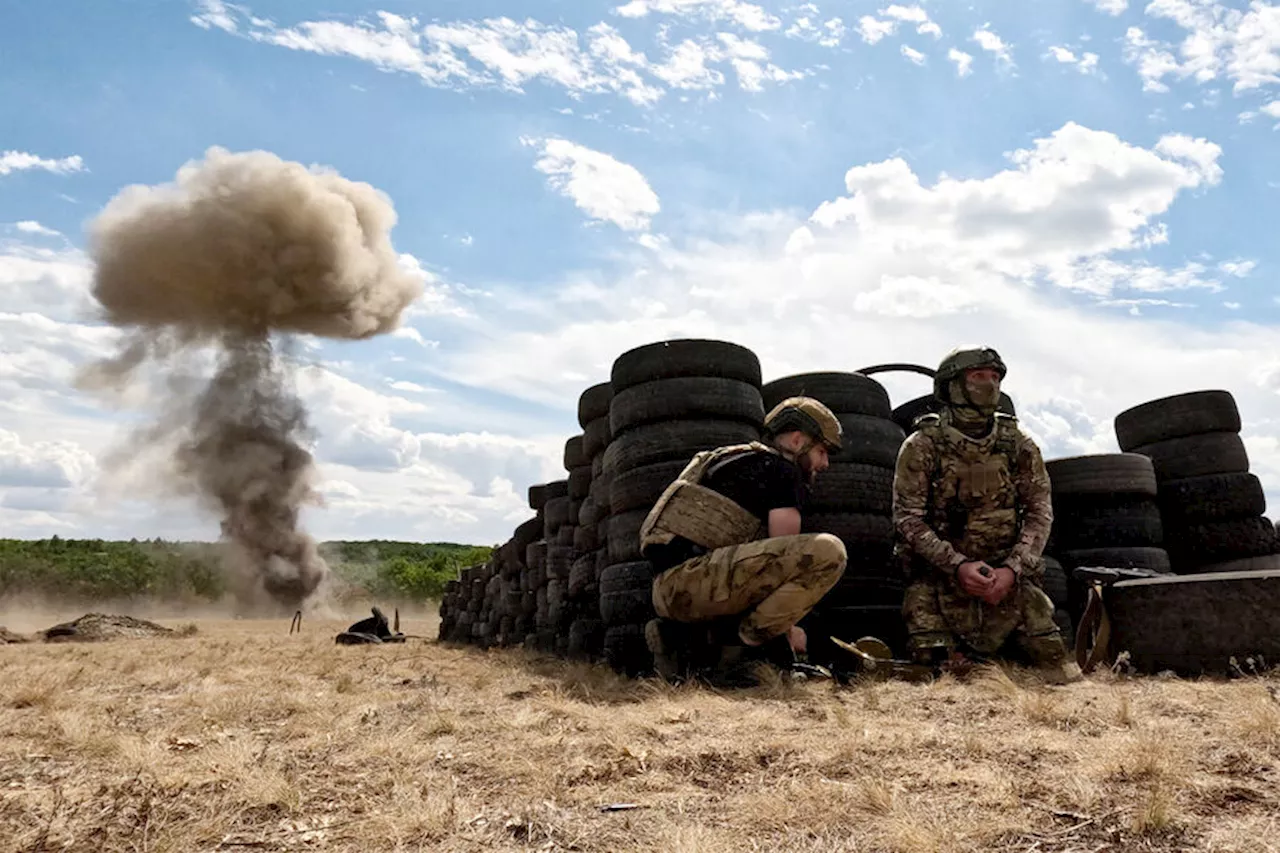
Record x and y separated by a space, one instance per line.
957 499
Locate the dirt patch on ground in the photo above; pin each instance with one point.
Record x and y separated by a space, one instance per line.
7 636
246 738
98 627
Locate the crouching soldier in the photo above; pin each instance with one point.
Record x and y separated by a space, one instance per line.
972 511
735 572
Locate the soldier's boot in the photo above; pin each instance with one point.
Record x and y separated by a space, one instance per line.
1049 657
740 663
668 640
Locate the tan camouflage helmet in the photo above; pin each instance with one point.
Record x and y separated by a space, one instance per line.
809 417
956 362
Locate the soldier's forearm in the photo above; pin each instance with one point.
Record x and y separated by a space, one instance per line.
925 543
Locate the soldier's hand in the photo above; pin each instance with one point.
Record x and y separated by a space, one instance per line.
799 640
1004 581
976 578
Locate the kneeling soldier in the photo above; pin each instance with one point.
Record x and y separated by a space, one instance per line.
736 573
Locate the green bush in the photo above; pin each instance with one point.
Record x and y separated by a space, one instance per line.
95 569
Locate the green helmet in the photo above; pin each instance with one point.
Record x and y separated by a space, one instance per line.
809 417
958 361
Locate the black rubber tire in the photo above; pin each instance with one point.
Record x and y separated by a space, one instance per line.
1197 455
1102 474
574 455
593 404
842 393
535 555
526 532
1194 624
579 482
686 398
555 515
586 639
672 440
869 440
596 436
1193 545
582 573
1133 524
626 593
591 515
684 357
1267 563
641 487
1212 497
540 493
1066 626
853 487
854 529
863 591
1180 415
905 415
626 652
1054 582
566 533
586 538
624 535
1151 559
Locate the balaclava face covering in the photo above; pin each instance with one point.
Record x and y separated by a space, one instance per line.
973 404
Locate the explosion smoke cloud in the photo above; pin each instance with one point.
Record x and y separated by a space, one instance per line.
241 249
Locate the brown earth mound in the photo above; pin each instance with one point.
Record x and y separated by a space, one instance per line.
7 636
93 627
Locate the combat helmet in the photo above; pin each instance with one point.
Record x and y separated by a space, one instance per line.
809 417
956 362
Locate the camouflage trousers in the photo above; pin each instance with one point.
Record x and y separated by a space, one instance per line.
773 582
941 615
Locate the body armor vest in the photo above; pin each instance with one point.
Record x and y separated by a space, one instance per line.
974 501
702 515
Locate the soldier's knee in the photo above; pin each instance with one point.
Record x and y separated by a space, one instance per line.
829 551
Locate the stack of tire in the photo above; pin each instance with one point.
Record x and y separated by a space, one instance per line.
1212 506
853 499
587 486
670 400
545 562
1104 515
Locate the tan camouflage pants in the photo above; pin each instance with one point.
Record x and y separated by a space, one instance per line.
773 582
938 613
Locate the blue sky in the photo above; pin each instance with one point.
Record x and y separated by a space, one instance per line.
1089 185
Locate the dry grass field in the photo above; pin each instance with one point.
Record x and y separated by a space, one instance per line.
241 738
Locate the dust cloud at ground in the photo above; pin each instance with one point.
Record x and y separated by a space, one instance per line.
238 254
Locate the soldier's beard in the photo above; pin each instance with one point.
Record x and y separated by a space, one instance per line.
984 396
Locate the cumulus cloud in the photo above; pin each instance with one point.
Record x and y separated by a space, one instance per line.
1086 63
508 54
602 187
1111 7
21 161
873 29
993 44
747 15
30 226
42 464
1240 44
913 55
963 61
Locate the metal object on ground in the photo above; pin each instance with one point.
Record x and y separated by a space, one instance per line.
371 631
295 623
872 658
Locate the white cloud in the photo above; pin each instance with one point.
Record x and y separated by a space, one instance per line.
214 14
602 187
43 464
1272 109
873 29
507 54
914 55
1238 269
1087 63
963 61
52 282
1111 7
1221 40
829 34
21 161
992 43
30 226
746 15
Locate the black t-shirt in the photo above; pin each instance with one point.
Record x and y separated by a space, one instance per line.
757 481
